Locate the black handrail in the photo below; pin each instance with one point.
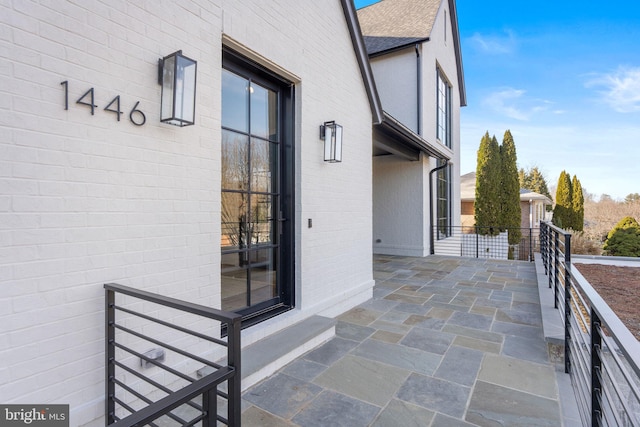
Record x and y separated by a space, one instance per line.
601 354
223 372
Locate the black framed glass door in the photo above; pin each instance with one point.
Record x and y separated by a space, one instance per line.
256 272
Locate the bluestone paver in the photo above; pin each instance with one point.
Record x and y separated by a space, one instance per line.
445 342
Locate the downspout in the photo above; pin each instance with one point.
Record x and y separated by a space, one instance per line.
431 240
419 84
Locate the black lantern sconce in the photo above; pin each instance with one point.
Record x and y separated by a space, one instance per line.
331 133
177 75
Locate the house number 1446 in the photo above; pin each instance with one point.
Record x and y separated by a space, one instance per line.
136 116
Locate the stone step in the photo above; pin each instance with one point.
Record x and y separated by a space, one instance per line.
265 357
552 326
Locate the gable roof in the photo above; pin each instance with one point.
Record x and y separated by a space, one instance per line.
381 119
363 60
399 18
392 24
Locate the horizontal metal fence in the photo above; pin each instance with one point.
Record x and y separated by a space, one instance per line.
486 242
166 385
601 354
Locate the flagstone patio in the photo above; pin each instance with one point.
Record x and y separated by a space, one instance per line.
445 341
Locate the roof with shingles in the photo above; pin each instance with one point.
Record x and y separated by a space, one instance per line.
399 18
377 44
390 24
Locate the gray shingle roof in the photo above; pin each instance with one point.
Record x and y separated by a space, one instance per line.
399 18
377 44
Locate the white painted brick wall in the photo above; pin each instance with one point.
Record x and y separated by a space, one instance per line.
404 236
441 51
86 200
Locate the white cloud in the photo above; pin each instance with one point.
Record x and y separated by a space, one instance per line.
512 103
620 89
494 45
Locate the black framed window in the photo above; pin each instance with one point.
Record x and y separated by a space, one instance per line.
256 190
443 127
443 205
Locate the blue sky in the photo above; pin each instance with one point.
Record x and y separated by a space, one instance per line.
564 77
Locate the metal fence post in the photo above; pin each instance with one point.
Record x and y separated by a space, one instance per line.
596 366
530 244
234 383
544 241
556 267
477 243
110 386
567 302
210 406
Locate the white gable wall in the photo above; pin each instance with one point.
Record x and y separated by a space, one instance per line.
86 200
439 52
401 198
331 261
396 77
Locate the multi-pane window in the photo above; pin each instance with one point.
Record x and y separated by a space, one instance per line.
444 110
255 219
443 205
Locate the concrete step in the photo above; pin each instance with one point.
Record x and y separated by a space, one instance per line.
265 357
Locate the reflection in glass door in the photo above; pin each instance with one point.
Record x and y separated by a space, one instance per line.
251 199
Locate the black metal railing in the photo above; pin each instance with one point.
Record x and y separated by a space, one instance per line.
486 242
601 354
161 386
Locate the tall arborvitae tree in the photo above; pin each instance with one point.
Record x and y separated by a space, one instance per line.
562 211
510 213
487 203
577 204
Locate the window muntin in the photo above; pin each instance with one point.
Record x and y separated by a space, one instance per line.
256 172
443 204
443 127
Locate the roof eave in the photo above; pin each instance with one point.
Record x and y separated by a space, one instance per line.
399 47
412 139
456 43
363 60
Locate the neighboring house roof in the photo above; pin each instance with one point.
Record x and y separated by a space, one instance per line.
468 191
383 120
391 24
526 195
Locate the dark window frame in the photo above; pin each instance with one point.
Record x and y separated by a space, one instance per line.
443 128
444 203
239 64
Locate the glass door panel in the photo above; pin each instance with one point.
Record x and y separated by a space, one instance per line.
250 242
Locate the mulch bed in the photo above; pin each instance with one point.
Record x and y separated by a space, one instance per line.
620 288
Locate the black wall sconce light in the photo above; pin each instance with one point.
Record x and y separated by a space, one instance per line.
331 133
177 75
